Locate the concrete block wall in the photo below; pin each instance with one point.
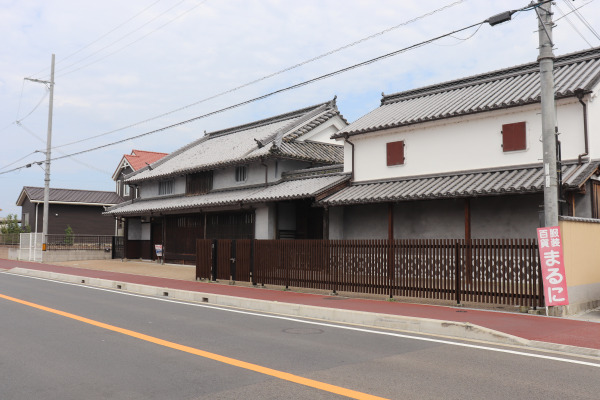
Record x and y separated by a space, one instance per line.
61 255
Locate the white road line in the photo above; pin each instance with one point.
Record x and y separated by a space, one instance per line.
324 324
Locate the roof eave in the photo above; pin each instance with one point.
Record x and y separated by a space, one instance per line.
341 135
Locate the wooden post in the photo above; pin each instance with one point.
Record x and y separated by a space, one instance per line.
125 236
468 260
164 238
390 257
326 223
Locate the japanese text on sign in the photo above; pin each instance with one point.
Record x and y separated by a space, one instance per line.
553 268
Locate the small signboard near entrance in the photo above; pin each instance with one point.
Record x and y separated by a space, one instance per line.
553 266
159 250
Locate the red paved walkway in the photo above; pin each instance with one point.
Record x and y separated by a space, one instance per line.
533 327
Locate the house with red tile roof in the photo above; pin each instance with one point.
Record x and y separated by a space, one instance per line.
131 163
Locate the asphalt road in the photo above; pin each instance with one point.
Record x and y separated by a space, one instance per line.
96 344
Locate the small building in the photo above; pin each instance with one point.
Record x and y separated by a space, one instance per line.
80 209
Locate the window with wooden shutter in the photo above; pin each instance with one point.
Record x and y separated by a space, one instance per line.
595 199
514 137
395 153
199 183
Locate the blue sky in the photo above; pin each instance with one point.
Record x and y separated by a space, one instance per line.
121 63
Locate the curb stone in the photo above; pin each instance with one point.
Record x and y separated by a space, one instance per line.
453 329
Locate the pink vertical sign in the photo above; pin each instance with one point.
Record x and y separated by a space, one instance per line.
553 266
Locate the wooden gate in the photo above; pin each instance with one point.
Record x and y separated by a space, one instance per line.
224 259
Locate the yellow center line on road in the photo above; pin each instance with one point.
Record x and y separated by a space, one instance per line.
212 356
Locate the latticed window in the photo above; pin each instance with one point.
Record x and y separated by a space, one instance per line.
199 183
239 225
241 173
165 187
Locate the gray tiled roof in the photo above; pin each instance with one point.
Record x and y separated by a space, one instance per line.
287 189
250 142
511 180
311 151
494 90
36 194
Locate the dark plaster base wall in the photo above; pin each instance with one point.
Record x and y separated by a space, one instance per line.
491 217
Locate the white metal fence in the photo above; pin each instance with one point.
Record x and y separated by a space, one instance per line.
31 246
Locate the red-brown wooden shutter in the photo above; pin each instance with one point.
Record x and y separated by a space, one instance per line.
595 199
513 136
395 153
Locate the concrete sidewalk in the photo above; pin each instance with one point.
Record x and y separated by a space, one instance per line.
579 336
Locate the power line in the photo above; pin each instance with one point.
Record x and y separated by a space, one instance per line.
123 37
582 19
135 41
573 26
18 120
461 40
43 141
570 12
100 38
20 99
109 32
20 159
346 46
46 92
298 85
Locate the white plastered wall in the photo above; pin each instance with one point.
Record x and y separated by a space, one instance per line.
264 226
464 143
323 133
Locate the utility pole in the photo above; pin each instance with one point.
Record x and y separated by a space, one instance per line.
546 60
48 154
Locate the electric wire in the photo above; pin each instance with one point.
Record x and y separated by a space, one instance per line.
255 99
119 39
462 40
20 100
20 159
131 43
46 93
41 140
582 19
99 38
573 26
267 76
7 126
295 86
543 25
109 32
570 12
